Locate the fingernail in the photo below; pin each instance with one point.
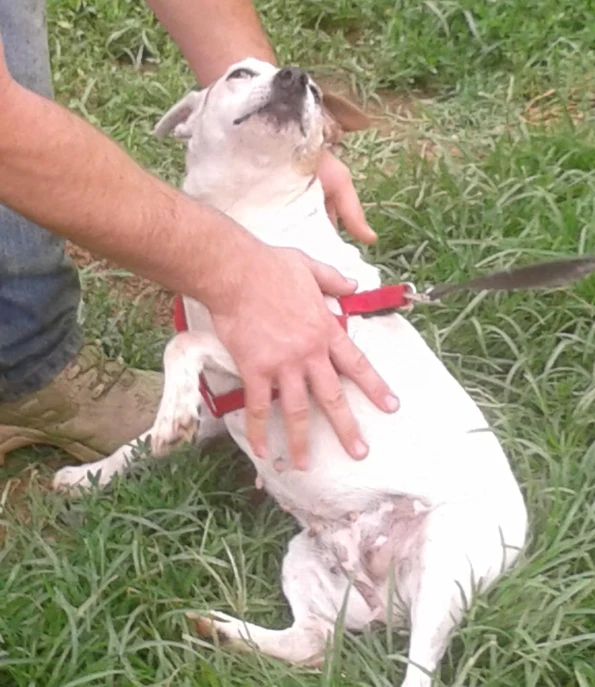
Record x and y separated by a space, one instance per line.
352 283
360 449
392 403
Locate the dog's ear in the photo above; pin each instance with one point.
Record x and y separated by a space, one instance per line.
175 120
341 116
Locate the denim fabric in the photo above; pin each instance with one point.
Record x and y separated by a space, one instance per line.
39 285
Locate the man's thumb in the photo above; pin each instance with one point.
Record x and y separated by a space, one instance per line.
331 282
351 213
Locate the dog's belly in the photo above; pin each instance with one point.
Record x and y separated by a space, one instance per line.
436 448
365 546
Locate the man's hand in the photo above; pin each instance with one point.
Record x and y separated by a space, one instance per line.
281 333
341 198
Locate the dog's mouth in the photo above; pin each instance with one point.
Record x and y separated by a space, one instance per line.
286 101
249 115
281 112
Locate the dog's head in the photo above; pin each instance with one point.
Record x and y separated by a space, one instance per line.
278 116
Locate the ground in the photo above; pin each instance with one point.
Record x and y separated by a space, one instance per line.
484 157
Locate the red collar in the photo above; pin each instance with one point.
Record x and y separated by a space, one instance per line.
375 302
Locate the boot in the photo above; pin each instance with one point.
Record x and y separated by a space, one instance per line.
90 409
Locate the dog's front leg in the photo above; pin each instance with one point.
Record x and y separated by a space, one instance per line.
82 477
182 414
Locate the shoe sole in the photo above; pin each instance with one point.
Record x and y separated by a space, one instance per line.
14 437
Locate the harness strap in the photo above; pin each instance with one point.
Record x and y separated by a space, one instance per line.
375 302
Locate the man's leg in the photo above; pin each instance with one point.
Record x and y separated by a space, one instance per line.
39 286
51 391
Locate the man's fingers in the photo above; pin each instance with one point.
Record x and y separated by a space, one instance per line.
258 397
295 405
328 392
352 363
348 207
330 281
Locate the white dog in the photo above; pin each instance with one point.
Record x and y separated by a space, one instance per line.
434 513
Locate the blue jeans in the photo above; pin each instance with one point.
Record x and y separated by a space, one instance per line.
39 284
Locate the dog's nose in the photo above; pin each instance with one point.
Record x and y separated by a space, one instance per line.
291 77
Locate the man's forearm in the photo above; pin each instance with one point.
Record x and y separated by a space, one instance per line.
67 176
213 34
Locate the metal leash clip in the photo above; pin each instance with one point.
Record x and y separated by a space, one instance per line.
424 297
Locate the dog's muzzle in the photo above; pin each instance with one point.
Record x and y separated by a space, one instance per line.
288 91
286 101
290 82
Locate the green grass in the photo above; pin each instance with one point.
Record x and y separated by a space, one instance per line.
94 592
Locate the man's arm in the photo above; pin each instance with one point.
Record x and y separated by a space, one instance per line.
66 175
213 34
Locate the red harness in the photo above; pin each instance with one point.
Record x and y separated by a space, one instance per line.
375 302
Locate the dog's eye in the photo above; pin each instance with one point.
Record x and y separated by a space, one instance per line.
242 73
315 92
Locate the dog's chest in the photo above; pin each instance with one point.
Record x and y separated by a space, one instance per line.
429 464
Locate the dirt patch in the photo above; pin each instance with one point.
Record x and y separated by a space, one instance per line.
24 471
396 117
550 108
131 288
390 111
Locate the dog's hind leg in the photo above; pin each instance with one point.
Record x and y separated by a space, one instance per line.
182 414
317 595
461 550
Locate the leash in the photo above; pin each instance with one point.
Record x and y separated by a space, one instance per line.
543 275
401 297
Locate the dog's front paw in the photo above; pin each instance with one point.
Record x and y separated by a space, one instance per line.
178 419
77 478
